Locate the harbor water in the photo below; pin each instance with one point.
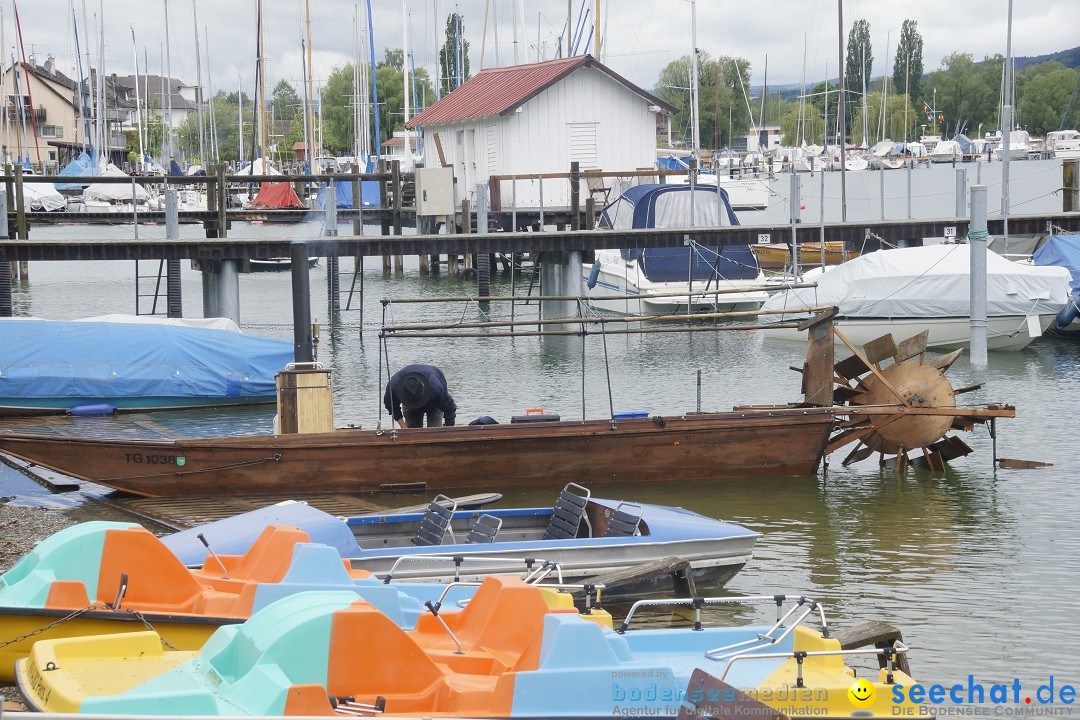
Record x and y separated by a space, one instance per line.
977 566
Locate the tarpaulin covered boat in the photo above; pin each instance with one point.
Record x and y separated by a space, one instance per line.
52 366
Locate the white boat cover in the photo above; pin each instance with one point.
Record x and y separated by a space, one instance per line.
110 192
259 167
214 323
43 196
931 281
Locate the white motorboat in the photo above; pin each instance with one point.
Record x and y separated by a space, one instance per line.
946 151
1063 144
671 280
1019 146
744 193
115 198
907 290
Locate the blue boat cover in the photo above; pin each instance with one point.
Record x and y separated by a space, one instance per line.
79 167
1063 251
677 264
87 362
369 194
174 168
966 146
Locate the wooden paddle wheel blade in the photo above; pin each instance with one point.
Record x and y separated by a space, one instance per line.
882 348
931 460
851 367
951 447
944 362
914 345
860 453
844 393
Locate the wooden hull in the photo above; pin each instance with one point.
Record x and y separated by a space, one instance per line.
776 442
779 256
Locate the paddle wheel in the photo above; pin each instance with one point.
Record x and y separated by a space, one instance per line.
899 402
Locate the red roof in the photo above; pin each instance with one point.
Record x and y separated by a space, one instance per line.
500 91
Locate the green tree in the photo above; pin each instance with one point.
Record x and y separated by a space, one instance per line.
908 65
722 112
389 80
450 56
857 66
338 118
893 128
967 94
392 58
1042 93
284 100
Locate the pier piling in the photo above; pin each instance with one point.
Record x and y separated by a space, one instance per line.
977 239
961 191
8 274
483 259
301 303
174 303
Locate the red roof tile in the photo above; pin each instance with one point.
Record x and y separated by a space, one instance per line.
500 91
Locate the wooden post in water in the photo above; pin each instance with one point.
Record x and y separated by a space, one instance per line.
1070 184
399 184
20 219
222 201
209 226
384 205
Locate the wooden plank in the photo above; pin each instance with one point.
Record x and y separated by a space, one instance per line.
876 633
1012 464
851 367
710 697
880 348
914 345
944 362
438 148
49 482
646 571
818 374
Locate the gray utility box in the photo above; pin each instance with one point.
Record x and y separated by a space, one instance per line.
435 191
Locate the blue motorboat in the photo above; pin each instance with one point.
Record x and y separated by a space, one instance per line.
580 537
55 367
687 278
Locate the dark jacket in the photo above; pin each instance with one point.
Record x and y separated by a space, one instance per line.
438 396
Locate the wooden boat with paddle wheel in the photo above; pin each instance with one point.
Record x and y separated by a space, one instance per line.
750 441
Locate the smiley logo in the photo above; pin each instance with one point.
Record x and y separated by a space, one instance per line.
861 693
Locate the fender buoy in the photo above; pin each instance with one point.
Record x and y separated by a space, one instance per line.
593 274
92 409
1067 314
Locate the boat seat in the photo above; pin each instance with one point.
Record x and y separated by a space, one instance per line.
568 513
625 521
484 529
436 521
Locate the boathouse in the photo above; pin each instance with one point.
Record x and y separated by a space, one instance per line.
538 118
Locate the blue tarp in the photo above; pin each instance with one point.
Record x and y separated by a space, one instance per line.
673 163
676 264
81 166
47 363
966 146
175 169
1063 251
369 193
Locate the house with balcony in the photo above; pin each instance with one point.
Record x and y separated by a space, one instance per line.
40 113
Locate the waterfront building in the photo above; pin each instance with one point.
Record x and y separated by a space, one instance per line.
538 118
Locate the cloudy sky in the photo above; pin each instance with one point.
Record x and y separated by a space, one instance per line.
641 35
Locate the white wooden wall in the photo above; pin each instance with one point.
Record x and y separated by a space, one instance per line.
587 117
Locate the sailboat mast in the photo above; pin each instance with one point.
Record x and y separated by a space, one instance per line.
695 131
262 91
596 35
308 140
198 80
240 120
309 127
168 73
405 73
1006 131
138 104
214 149
374 85
841 122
